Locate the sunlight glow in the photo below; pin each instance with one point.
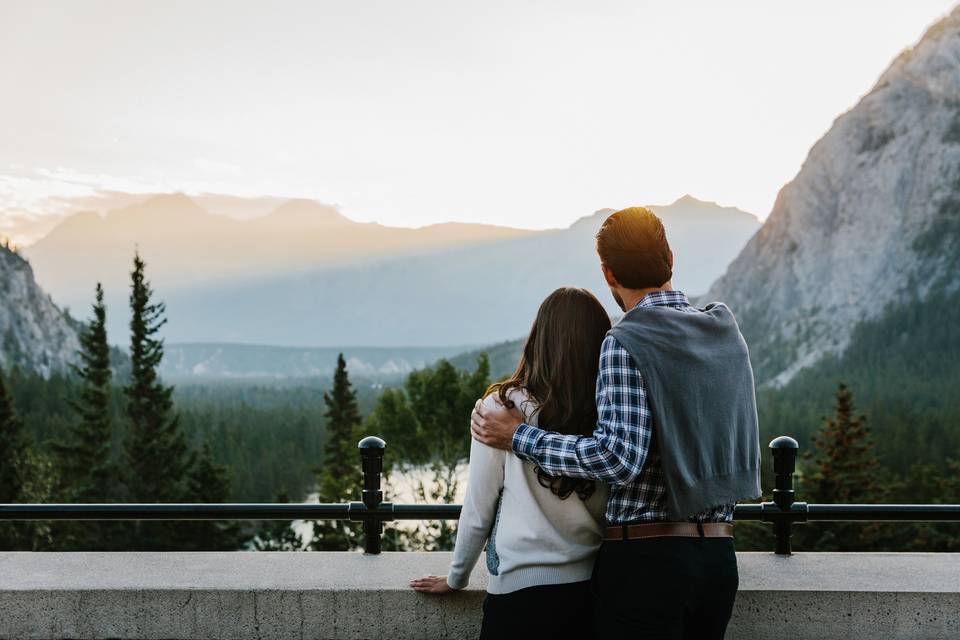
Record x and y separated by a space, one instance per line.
527 114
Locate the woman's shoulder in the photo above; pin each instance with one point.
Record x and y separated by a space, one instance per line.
520 399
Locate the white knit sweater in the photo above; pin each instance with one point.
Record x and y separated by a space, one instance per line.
535 538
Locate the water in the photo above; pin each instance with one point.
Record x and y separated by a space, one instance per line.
402 486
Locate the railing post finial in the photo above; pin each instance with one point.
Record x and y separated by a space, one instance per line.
784 451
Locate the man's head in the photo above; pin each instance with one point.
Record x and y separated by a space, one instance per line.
634 254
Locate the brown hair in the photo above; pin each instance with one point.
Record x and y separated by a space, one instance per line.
633 245
558 370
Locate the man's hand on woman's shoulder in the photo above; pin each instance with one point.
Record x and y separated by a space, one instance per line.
495 425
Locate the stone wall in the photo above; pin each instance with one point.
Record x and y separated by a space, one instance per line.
340 595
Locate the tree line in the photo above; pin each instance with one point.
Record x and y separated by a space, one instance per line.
85 463
904 369
842 467
109 431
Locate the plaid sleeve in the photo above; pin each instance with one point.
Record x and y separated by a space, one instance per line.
617 450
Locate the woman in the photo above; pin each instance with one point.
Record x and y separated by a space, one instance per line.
541 532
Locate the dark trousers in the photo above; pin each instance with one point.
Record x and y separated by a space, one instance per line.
664 588
547 611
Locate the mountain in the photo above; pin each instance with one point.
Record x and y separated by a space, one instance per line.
34 334
187 246
869 227
306 276
224 361
20 228
503 357
462 295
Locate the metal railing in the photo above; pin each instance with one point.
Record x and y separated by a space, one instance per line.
783 512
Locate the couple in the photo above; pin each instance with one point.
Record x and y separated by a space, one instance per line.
604 471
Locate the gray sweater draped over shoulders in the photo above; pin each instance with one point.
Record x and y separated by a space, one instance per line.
700 387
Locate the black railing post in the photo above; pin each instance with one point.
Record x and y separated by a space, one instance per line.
371 459
784 451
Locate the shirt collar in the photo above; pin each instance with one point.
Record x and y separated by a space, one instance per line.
664 298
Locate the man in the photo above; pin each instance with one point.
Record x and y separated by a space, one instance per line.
677 440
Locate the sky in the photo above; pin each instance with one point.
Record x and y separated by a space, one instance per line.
528 114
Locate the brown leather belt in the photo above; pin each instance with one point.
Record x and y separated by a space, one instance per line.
669 530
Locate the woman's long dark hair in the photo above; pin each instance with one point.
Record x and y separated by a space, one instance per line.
558 370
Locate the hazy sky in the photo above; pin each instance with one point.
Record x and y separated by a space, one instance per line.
523 113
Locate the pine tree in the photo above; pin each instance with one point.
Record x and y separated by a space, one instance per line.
156 448
12 448
25 476
88 473
209 482
844 471
13 453
339 478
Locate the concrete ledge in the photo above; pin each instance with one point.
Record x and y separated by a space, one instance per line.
340 595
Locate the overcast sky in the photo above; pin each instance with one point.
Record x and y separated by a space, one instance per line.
524 113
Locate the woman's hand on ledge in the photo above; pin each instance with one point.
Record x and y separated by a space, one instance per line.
437 585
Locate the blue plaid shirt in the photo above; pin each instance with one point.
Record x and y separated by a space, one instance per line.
622 450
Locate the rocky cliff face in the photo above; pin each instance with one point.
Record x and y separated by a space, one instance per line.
871 221
34 333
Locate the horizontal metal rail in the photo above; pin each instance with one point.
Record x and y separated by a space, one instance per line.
150 511
782 512
387 511
426 511
882 512
803 512
229 511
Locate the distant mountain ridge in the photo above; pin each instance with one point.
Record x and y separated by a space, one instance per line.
262 363
306 276
503 358
35 335
187 245
479 294
869 226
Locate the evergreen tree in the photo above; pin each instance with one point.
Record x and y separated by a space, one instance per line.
25 476
924 484
40 482
155 446
13 447
844 470
13 453
278 535
339 478
209 482
88 473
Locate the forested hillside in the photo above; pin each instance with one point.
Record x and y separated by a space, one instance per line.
904 368
270 437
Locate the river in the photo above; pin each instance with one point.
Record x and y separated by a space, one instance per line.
400 487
